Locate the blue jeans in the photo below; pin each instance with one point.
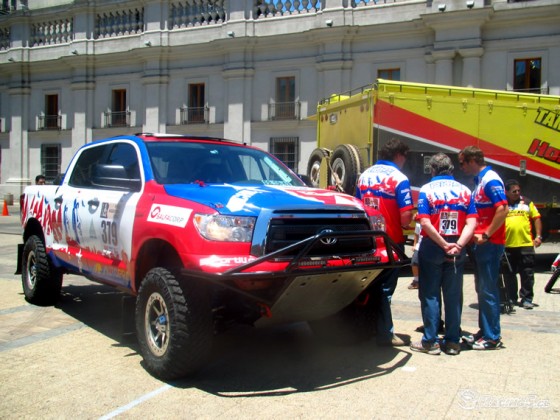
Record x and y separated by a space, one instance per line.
387 286
487 260
440 276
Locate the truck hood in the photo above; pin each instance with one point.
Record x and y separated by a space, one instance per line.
250 200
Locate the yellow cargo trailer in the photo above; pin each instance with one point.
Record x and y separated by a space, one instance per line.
518 132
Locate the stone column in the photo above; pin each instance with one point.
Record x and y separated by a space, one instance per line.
83 96
471 66
444 66
155 103
17 163
238 102
238 73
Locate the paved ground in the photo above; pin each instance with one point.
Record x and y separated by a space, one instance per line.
71 361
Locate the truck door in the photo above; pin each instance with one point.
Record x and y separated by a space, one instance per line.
100 202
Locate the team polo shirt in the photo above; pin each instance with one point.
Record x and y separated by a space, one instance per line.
518 223
488 194
447 203
384 187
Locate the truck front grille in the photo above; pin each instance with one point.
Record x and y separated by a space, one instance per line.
283 232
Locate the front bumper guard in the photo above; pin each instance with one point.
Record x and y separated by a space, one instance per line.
307 293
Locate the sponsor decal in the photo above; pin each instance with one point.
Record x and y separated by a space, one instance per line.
548 118
544 150
108 210
169 215
215 261
344 200
240 198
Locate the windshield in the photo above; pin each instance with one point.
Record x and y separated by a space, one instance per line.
186 163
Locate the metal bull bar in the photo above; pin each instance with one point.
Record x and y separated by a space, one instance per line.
293 270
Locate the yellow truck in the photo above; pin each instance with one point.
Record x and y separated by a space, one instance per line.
518 132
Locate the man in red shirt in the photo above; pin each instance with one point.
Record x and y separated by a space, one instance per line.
489 244
383 186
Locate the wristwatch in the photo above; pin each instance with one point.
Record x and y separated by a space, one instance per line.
539 237
485 236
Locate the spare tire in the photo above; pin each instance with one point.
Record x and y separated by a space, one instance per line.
346 163
314 166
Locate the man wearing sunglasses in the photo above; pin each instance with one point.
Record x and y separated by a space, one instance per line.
489 244
520 244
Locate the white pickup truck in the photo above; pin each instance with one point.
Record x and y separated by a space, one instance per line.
203 232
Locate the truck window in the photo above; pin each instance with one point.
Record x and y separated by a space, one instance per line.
125 154
81 174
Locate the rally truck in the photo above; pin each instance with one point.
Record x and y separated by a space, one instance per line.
204 233
518 132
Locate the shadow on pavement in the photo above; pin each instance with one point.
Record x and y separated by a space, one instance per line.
287 360
247 361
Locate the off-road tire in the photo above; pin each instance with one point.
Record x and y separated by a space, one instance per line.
41 281
347 164
314 166
173 324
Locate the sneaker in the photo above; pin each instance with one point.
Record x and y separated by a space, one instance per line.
483 344
527 305
413 285
395 341
424 347
470 339
453 349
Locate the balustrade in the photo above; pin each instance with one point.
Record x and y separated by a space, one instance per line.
196 12
284 111
52 32
117 119
194 115
182 14
274 8
119 23
50 122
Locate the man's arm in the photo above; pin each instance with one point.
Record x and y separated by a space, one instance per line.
538 231
406 219
497 221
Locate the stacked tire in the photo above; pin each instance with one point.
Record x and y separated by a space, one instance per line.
344 168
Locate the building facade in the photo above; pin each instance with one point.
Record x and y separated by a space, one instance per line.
248 70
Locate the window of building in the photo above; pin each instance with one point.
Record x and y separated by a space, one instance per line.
285 107
50 161
119 114
196 111
389 74
527 75
51 119
287 150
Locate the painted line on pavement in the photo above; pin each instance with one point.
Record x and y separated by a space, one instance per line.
134 403
16 309
40 337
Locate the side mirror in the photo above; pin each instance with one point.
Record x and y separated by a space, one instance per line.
306 180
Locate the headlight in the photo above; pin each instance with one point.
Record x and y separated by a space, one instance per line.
377 222
217 227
